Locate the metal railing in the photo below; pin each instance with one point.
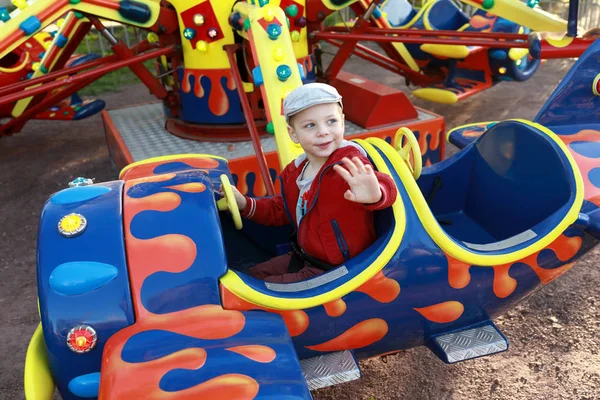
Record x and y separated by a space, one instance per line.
589 17
589 12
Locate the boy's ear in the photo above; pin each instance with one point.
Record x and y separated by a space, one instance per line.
292 134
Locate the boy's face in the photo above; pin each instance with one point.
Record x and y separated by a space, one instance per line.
318 129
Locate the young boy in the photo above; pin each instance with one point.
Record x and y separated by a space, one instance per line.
329 193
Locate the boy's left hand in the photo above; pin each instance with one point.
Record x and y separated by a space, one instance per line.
364 186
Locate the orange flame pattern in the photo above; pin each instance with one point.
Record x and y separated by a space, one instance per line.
258 353
335 308
145 172
504 285
380 288
218 102
121 379
360 335
445 312
296 320
585 164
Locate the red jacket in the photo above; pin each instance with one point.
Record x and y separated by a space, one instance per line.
333 229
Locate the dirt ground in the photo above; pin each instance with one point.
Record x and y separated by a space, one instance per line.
554 336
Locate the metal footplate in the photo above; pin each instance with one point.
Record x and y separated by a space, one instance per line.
330 369
470 343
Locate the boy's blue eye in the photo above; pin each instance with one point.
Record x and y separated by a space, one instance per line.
332 121
309 125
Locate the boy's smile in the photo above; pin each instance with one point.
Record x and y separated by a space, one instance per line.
319 130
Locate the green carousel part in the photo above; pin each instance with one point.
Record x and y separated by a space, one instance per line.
292 10
288 22
270 128
487 4
532 3
74 1
78 15
4 14
44 69
246 24
263 3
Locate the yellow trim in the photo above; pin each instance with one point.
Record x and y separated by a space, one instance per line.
595 85
517 54
382 22
414 148
410 23
228 202
273 90
446 50
17 68
466 126
166 158
441 96
37 380
237 286
460 253
521 14
561 42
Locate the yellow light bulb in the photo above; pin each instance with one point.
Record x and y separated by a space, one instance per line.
278 54
202 46
295 36
269 13
60 22
21 4
152 37
81 341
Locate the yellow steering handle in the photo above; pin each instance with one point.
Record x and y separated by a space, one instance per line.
410 147
228 202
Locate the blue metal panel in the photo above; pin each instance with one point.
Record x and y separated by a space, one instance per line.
572 102
107 308
199 283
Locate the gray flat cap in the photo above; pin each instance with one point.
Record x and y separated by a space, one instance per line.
309 95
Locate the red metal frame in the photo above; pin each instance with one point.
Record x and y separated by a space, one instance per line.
355 37
156 88
391 65
260 155
96 73
426 33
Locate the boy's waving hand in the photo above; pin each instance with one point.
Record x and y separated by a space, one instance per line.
364 186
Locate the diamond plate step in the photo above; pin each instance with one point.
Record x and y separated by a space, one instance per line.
470 343
330 369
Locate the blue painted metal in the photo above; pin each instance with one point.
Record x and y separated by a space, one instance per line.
89 109
572 102
489 174
30 25
85 386
79 277
281 376
61 40
107 309
197 109
79 194
198 284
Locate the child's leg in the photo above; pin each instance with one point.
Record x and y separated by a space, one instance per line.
275 266
304 273
276 270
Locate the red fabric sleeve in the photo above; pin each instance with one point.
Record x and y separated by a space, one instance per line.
266 210
388 192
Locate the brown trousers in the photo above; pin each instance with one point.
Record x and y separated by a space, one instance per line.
276 270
